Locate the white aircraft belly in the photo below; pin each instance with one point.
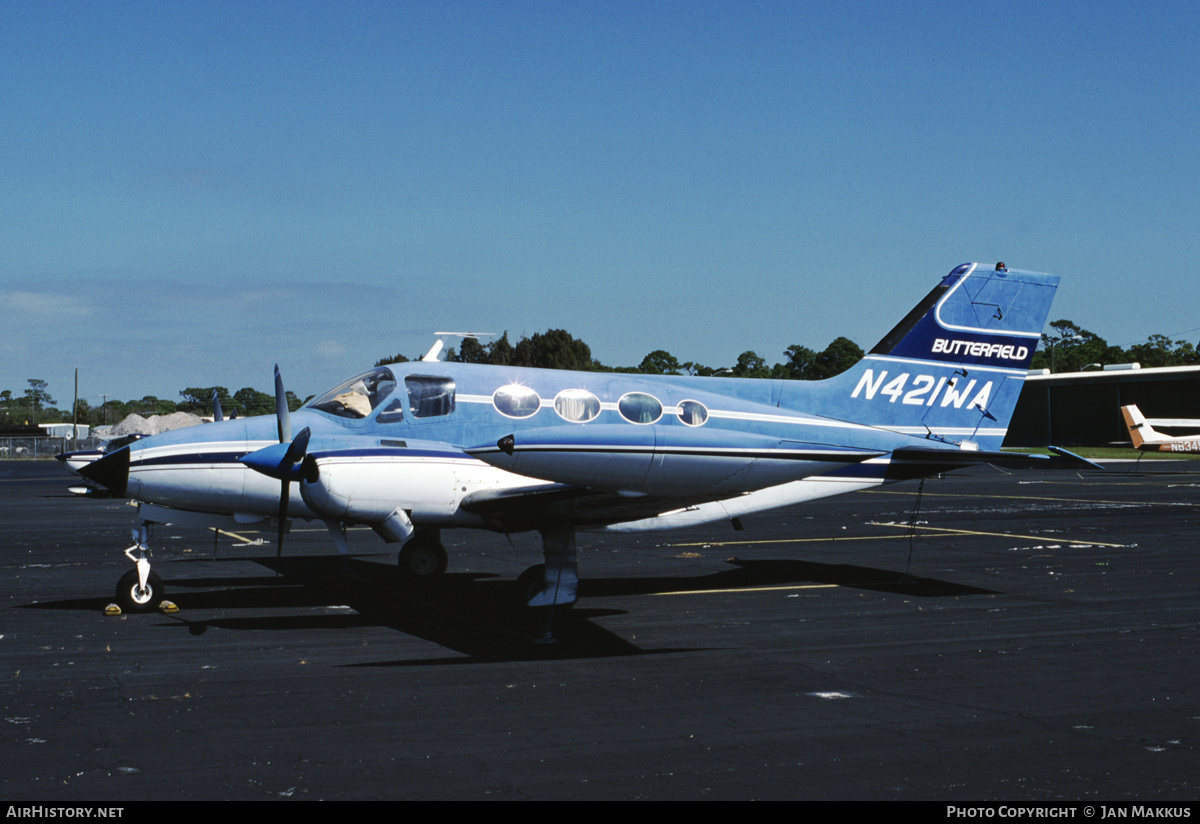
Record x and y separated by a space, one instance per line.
787 494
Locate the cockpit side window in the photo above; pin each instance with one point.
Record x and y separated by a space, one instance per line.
357 397
429 396
393 412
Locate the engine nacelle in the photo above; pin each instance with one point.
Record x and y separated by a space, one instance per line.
363 485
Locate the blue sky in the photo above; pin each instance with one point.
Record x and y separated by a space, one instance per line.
194 191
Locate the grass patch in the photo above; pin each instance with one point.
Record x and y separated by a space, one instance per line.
1111 453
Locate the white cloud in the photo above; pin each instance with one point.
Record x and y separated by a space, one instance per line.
329 349
44 304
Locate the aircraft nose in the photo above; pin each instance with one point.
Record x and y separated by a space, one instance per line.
110 471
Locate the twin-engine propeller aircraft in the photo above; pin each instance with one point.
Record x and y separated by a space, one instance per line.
413 448
1147 439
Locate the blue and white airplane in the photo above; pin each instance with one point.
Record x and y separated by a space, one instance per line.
410 449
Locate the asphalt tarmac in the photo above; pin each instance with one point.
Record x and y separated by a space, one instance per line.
1035 637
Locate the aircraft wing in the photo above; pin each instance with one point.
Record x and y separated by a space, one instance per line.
530 507
670 462
583 465
516 509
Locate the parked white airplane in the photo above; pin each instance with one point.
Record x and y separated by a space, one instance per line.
1147 439
413 448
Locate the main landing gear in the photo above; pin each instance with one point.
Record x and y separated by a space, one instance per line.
423 557
555 582
139 589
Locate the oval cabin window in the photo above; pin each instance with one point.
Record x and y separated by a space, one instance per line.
577 405
638 407
516 401
693 413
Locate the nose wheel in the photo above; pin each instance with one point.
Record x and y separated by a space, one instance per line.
139 589
134 596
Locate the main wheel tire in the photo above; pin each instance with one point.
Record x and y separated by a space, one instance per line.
132 599
530 583
422 560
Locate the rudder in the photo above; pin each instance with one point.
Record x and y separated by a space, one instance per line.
952 369
1140 432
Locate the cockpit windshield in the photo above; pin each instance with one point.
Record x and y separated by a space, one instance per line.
357 397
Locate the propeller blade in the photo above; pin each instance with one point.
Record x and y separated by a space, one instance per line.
298 448
283 417
289 467
294 453
283 504
218 415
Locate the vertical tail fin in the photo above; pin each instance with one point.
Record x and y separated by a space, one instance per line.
1140 432
953 368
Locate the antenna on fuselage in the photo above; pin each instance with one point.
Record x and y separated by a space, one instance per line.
432 355
434 351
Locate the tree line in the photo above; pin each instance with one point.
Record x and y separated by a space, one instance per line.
1067 348
36 406
558 349
1071 348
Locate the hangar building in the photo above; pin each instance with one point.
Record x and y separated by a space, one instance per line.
1084 408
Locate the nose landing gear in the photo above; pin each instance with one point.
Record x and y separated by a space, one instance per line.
139 589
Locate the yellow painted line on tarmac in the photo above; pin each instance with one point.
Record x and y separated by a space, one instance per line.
801 540
237 537
1032 498
747 589
272 532
941 533
1042 538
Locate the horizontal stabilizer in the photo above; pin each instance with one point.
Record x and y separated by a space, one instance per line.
1175 423
1058 450
956 458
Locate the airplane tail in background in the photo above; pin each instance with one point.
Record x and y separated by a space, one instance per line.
953 368
1140 432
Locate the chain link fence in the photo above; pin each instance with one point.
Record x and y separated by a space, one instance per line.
34 447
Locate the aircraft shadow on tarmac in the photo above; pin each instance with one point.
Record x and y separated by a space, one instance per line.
476 614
